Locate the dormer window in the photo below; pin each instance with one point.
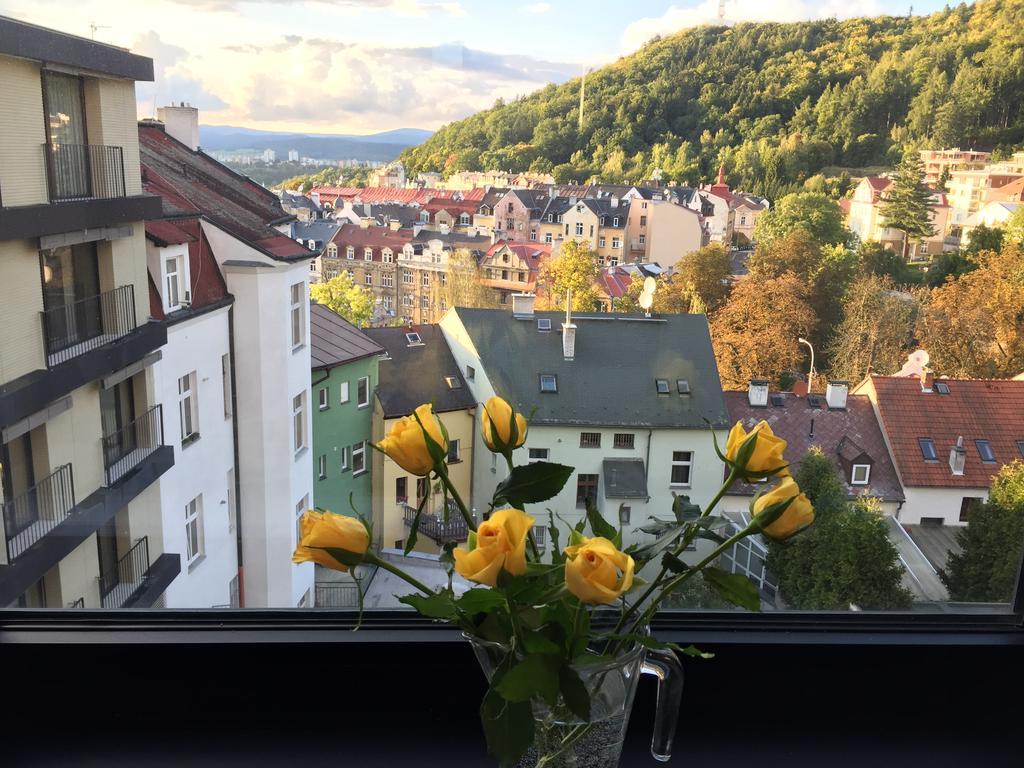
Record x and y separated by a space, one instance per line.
615 221
985 451
861 474
551 217
350 252
662 386
368 254
464 219
332 251
425 216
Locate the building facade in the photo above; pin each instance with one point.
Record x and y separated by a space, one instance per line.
865 219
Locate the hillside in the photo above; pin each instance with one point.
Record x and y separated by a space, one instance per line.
376 146
775 102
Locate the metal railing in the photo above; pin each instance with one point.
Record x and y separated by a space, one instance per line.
127 576
126 448
36 512
329 594
79 603
434 527
73 328
84 172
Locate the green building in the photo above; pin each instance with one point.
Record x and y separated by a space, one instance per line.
344 362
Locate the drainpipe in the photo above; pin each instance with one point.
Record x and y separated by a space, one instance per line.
238 473
647 463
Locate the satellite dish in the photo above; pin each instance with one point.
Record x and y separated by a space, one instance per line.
646 300
650 285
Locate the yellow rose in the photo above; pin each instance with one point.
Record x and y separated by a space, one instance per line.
406 445
596 572
326 529
500 543
497 426
767 457
797 516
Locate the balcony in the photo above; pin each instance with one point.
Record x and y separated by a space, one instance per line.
331 594
33 514
84 172
441 532
128 447
133 582
77 327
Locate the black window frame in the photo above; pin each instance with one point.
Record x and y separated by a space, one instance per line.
927 442
554 381
982 446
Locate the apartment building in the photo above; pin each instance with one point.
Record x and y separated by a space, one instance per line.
970 190
864 218
82 445
939 161
268 364
509 268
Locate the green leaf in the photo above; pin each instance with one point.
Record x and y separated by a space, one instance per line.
480 601
535 642
438 606
410 541
600 526
574 693
684 511
693 652
556 548
532 483
714 522
711 536
734 587
508 727
673 563
536 675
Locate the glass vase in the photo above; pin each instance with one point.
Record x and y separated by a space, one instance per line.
562 740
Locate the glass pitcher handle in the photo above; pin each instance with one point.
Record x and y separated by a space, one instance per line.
666 667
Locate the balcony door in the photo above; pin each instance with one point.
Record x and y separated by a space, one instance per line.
106 544
18 476
72 311
67 147
117 412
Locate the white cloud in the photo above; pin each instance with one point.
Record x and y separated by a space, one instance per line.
677 17
537 8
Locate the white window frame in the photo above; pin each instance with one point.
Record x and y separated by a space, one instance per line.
324 397
299 438
345 458
616 242
367 254
359 450
332 251
343 392
579 229
547 238
387 256
298 315
175 282
867 474
388 280
194 530
359 402
225 372
232 502
368 279
188 408
464 219
321 466
350 252
600 241
300 510
688 463
407 277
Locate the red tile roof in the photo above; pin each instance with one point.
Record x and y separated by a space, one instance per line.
615 281
166 232
976 409
377 238
191 182
840 433
206 282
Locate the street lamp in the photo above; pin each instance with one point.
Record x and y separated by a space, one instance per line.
810 373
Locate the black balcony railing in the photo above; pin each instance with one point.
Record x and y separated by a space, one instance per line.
72 328
126 448
434 527
84 172
30 516
79 603
333 595
126 577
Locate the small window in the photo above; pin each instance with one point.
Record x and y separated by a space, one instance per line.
586 488
548 382
1020 448
401 490
363 392
625 511
927 449
299 422
343 392
225 375
544 324
539 454
300 510
188 408
590 439
662 385
453 382
194 530
454 453
683 386
967 505
623 440
321 465
368 278
682 468
861 474
298 315
815 401
343 463
323 395
941 387
413 339
777 399
985 451
358 458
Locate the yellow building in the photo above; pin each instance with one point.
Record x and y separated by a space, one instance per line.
418 368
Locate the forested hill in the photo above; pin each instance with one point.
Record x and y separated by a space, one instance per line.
775 102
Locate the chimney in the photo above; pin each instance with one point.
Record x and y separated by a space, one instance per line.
926 380
757 393
614 202
522 305
394 224
182 122
957 456
835 394
568 329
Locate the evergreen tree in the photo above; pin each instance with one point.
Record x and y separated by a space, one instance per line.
907 205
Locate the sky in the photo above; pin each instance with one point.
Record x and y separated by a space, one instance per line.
362 66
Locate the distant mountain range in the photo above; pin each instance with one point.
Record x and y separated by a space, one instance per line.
383 146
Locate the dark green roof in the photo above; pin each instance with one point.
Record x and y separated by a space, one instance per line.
611 381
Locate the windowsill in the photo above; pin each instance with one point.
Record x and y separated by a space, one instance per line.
324 408
298 348
454 461
360 473
321 477
680 485
300 452
364 405
187 441
196 563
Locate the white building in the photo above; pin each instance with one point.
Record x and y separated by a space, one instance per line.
267 273
293 155
269 156
621 398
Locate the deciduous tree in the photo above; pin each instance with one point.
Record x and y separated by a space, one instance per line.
463 282
341 295
575 267
815 213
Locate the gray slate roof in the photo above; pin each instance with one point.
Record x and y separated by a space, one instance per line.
320 231
416 374
611 381
334 340
624 479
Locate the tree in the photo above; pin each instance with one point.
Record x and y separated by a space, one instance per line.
946 266
907 204
876 331
464 282
874 258
700 282
574 268
812 212
984 238
985 569
755 333
974 327
845 558
1014 229
342 296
